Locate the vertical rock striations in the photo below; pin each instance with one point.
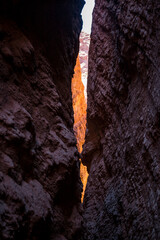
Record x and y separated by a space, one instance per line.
122 148
40 187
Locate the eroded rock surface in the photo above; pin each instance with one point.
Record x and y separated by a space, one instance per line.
40 187
122 148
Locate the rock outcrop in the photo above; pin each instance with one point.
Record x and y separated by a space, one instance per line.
122 147
40 187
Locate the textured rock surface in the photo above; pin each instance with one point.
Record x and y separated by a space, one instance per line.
40 187
79 107
122 148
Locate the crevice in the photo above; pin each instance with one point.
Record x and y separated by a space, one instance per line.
79 88
79 107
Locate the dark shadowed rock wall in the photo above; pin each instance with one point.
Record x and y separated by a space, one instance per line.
122 149
40 187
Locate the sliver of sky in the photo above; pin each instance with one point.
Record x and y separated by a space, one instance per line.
87 15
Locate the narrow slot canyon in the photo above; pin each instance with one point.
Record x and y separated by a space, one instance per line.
79 87
79 120
79 108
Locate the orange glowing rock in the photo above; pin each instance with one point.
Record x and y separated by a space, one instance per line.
79 107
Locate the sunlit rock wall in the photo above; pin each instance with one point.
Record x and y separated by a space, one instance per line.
40 187
122 148
79 107
83 57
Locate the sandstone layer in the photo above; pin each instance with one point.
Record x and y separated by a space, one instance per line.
122 148
40 187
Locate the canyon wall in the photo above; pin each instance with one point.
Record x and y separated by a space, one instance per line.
83 57
122 148
40 187
79 108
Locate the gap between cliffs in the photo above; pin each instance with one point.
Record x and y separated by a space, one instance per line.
79 84
79 108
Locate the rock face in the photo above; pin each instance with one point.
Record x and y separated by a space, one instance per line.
122 148
40 187
79 107
83 56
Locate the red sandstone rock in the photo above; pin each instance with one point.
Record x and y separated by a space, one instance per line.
122 148
79 107
40 187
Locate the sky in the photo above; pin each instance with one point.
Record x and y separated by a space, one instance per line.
87 15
